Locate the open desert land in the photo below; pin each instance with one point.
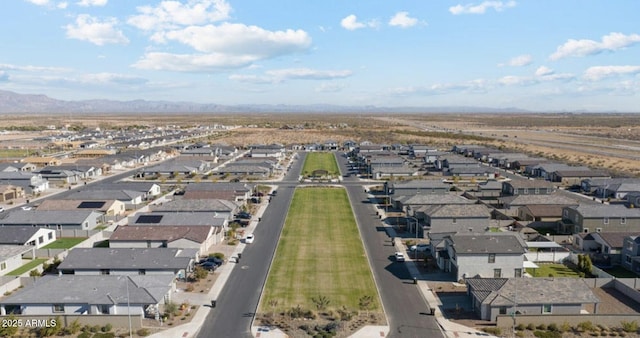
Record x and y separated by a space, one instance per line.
601 141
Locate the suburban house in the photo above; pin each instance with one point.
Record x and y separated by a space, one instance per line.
456 217
55 219
181 237
380 172
217 222
491 297
239 190
131 198
90 295
599 218
10 192
223 208
527 187
450 161
175 167
414 187
540 216
129 261
41 161
107 207
630 259
11 257
27 235
29 182
604 248
510 205
604 187
485 255
417 200
569 178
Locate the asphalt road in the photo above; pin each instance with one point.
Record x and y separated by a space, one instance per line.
238 300
403 303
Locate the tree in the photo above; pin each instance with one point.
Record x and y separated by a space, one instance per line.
200 273
365 302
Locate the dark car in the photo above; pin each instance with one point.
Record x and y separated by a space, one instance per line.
214 260
211 266
243 215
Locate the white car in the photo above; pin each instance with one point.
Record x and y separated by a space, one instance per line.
26 207
399 257
420 247
249 239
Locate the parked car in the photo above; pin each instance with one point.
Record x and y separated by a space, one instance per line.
211 266
27 207
421 247
399 257
249 239
1 209
214 260
243 215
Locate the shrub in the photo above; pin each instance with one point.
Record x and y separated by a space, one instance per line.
84 335
531 327
547 334
217 255
586 326
629 326
553 327
520 327
107 327
143 332
496 331
541 327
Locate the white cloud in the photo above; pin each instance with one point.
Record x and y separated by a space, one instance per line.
544 73
4 77
511 80
193 62
599 72
544 70
351 23
473 86
239 39
281 75
88 28
329 87
38 2
88 3
402 19
112 78
519 61
173 14
307 74
36 69
579 48
62 5
481 8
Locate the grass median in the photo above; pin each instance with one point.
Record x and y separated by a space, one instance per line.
320 256
320 161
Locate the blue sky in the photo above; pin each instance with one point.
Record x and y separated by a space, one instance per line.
540 55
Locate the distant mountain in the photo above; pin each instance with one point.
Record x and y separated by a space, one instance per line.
11 102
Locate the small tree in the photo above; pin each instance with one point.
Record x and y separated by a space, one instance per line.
365 303
200 273
170 309
321 302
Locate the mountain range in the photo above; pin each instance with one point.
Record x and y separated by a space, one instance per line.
11 102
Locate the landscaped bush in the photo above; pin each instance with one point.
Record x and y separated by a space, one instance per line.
496 331
143 332
629 326
547 334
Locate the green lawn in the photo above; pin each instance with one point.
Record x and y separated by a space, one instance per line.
320 161
65 243
557 270
27 267
319 254
620 272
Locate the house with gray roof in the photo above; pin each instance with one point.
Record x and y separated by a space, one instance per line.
181 237
604 248
11 257
55 219
107 207
132 199
217 222
223 208
27 235
599 187
241 190
31 183
455 217
129 261
630 256
485 255
599 218
527 187
511 204
572 177
491 297
414 187
53 295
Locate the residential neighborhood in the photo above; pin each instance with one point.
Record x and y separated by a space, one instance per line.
489 224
